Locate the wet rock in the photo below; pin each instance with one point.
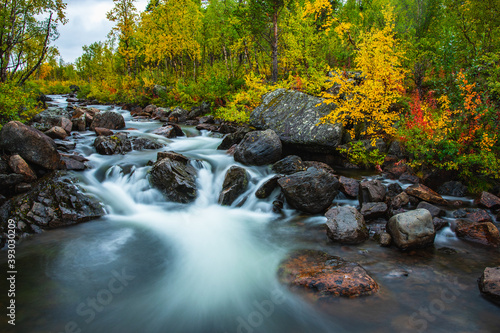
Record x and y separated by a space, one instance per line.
393 190
56 132
265 190
488 200
259 148
175 177
295 116
397 149
197 111
409 178
110 120
149 109
478 215
349 186
161 114
400 200
278 204
346 225
207 120
235 184
373 210
55 201
489 284
233 138
10 180
144 143
439 223
320 166
64 145
447 250
166 131
22 188
79 122
31 144
485 233
19 166
100 131
289 165
385 239
110 145
207 127
371 191
171 155
426 194
413 229
178 115
435 211
396 170
453 188
72 162
310 191
49 118
325 275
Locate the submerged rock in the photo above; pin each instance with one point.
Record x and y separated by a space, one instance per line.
235 184
326 275
259 148
413 229
31 144
310 191
176 178
295 117
346 225
54 201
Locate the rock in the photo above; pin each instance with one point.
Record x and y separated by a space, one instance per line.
453 188
311 191
144 143
72 100
100 131
397 149
150 109
289 165
110 120
233 138
79 122
10 180
55 201
31 144
400 200
412 229
19 166
384 239
295 117
371 191
171 155
178 115
393 190
346 225
56 132
485 233
478 215
110 145
166 131
207 127
439 223
265 190
349 186
22 188
65 146
396 170
175 177
435 211
197 111
489 284
235 184
426 194
373 210
161 113
259 148
409 178
207 120
72 163
49 118
320 166
325 275
488 200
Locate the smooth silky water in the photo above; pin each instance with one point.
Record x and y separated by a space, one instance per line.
156 266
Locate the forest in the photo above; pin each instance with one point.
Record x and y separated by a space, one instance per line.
423 72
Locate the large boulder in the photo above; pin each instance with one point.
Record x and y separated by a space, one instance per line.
109 120
413 229
346 225
488 200
289 165
259 148
175 177
31 144
55 201
349 186
371 191
115 144
311 191
489 284
233 138
484 233
325 275
235 184
295 117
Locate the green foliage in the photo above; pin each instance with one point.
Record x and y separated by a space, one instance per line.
358 154
16 103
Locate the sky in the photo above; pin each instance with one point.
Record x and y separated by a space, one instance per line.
87 24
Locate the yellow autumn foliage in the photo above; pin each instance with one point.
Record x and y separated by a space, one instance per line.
363 102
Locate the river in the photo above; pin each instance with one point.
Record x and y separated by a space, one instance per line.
155 266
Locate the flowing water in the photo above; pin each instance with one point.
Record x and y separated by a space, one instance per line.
156 266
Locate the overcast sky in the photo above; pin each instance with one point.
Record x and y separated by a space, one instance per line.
87 24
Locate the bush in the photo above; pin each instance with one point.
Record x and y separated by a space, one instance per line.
16 103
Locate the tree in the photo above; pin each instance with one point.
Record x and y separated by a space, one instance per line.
26 31
125 15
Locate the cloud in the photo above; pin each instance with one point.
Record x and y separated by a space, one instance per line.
87 24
